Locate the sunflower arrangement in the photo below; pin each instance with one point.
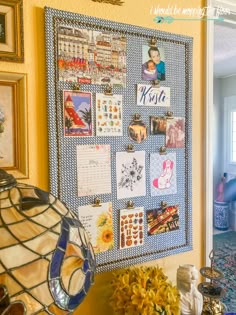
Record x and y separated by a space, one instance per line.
144 291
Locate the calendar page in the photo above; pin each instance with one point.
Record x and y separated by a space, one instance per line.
93 169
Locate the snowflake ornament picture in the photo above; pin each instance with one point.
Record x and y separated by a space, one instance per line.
131 176
132 173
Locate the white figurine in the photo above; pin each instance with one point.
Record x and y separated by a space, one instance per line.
190 298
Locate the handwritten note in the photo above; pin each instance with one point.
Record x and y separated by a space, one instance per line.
93 170
148 95
97 222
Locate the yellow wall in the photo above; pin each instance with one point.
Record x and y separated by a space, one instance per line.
133 12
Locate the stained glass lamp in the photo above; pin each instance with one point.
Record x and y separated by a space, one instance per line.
47 263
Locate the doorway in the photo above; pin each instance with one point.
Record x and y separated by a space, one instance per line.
219 159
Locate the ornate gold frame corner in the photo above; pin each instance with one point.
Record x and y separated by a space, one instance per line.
18 84
11 31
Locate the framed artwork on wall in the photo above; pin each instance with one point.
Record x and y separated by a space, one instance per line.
13 124
11 30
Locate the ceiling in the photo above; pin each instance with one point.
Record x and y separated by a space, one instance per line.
225 49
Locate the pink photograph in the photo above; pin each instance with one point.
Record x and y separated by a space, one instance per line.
175 132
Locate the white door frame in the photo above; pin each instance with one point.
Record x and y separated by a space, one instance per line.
208 185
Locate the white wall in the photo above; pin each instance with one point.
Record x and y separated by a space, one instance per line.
228 87
223 87
218 120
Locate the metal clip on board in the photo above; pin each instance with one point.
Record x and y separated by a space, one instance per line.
163 205
130 148
97 202
108 90
130 204
162 150
76 87
169 115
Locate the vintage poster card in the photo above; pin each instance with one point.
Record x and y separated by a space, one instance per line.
162 220
153 63
149 95
130 174
175 132
97 222
108 115
91 57
93 169
131 227
77 107
163 174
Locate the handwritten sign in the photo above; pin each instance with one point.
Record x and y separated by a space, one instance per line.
148 95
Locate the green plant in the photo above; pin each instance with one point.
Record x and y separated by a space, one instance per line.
144 291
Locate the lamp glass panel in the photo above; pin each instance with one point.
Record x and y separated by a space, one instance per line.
12 286
42 293
26 230
6 239
31 274
16 256
43 244
11 215
43 220
29 301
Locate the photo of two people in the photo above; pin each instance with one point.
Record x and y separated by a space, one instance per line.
153 64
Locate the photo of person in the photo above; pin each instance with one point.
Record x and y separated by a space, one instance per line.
158 125
175 132
149 71
153 56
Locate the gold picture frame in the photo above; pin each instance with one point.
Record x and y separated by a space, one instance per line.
11 30
13 124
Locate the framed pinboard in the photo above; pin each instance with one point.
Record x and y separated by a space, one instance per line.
119 123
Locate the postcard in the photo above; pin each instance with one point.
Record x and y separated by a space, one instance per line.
163 174
162 220
175 132
91 57
93 169
108 115
149 95
97 221
130 174
131 227
77 108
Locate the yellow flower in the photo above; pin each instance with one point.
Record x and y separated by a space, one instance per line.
102 219
105 239
144 291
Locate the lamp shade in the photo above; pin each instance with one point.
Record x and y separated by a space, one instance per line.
46 260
